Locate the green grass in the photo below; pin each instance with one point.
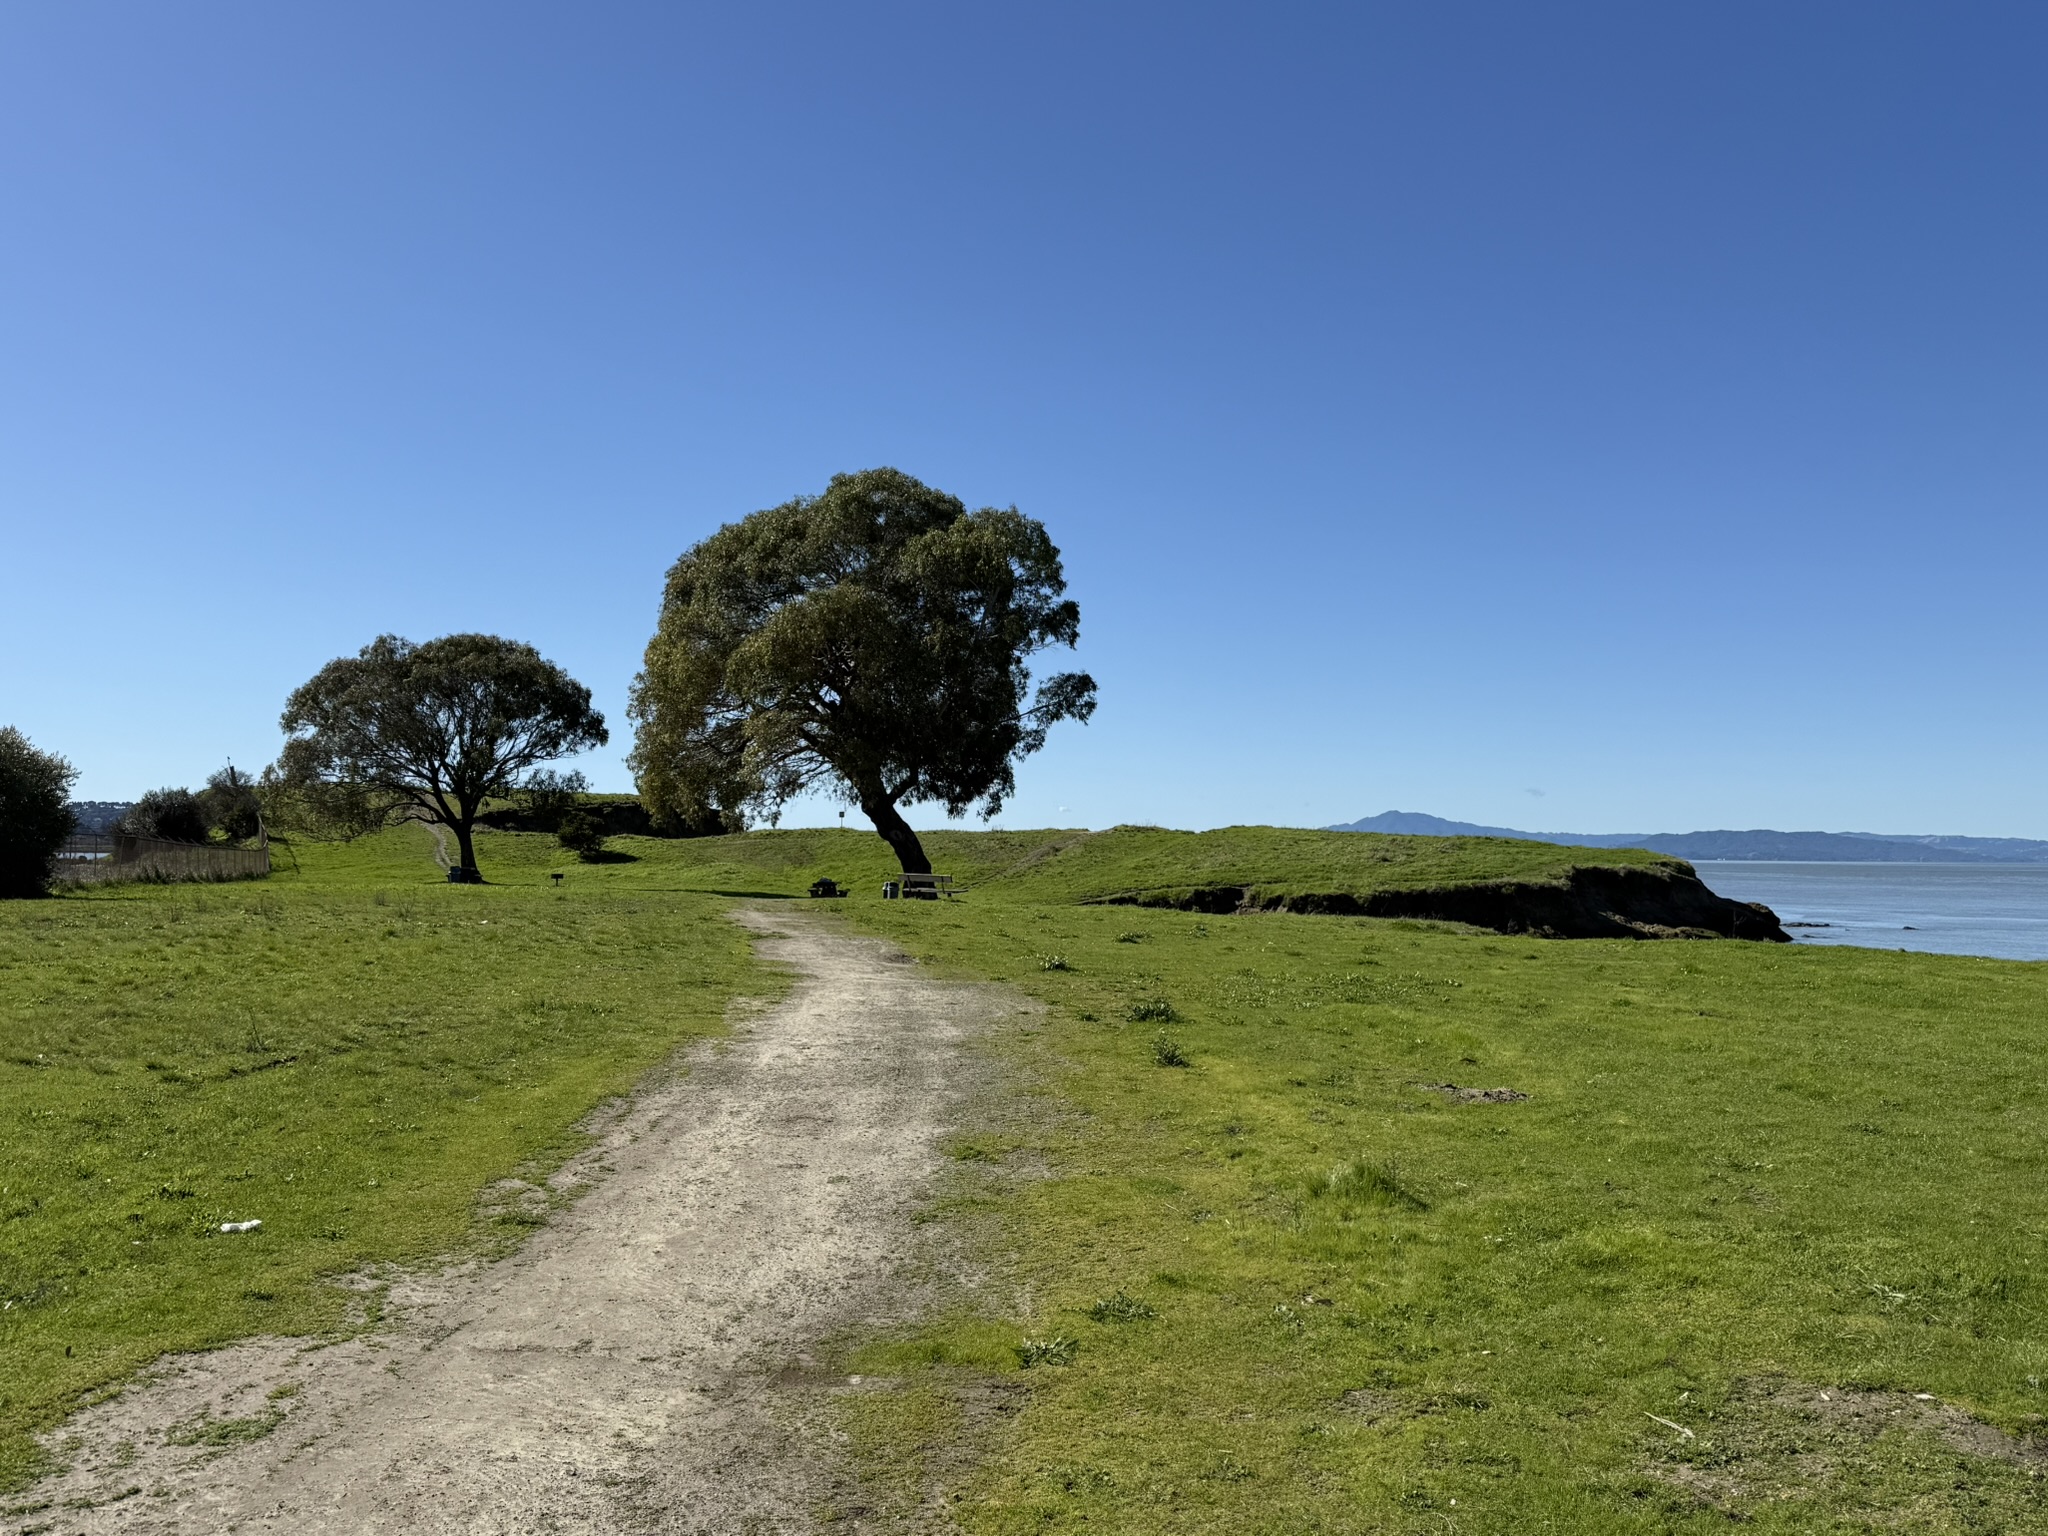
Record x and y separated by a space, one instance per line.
1070 867
348 1052
1305 1292
1275 1281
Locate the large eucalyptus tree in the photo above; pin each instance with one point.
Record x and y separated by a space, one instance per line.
870 641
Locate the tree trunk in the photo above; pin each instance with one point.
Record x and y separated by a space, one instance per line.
897 834
465 848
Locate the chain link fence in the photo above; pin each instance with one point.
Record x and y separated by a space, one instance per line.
91 857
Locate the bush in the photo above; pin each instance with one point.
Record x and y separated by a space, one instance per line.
177 815
35 814
231 807
1167 1051
583 835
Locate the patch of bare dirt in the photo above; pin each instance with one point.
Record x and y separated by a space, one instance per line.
1459 1095
651 1361
1775 1439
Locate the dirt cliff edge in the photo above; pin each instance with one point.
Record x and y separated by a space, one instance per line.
1671 902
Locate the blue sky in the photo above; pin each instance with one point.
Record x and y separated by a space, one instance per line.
1582 417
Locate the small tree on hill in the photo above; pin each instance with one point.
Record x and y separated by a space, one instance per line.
871 640
583 835
548 796
35 814
432 729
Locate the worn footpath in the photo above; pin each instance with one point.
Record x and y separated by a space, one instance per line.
648 1362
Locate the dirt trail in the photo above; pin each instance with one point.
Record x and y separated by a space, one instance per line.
643 1363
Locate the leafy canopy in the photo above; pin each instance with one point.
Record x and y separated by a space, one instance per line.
872 641
174 814
35 814
432 729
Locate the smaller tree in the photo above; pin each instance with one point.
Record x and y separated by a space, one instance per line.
548 796
232 806
35 814
434 729
176 815
583 835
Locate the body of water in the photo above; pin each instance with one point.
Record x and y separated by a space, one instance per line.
1945 909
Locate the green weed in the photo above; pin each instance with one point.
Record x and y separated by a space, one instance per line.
1057 1350
1120 1308
1167 1052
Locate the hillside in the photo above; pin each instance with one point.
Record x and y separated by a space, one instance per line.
1511 886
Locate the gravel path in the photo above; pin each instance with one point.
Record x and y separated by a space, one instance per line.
644 1362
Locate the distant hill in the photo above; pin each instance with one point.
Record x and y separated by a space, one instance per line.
1798 847
100 815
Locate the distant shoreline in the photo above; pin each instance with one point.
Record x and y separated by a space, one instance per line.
1754 845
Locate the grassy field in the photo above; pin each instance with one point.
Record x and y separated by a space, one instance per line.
1071 867
1281 1283
1277 1276
348 1052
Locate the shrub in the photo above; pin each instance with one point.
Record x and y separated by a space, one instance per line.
176 815
35 814
583 835
231 806
1167 1052
1152 1010
1053 963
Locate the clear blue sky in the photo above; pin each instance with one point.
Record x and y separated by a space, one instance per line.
1599 417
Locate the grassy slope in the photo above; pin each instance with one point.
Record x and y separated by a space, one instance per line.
1738 1162
1081 866
349 1052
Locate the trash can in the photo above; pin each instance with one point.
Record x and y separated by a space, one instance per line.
891 889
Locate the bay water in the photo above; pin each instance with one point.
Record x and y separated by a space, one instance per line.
1999 910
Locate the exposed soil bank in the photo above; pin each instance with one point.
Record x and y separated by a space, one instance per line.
1599 903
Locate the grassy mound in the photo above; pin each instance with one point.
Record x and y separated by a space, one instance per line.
1079 866
1488 882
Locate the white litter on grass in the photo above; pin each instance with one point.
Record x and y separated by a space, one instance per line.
1923 1397
240 1226
1669 1425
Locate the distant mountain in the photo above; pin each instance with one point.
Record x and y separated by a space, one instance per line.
1796 847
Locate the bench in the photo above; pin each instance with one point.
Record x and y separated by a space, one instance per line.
927 887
